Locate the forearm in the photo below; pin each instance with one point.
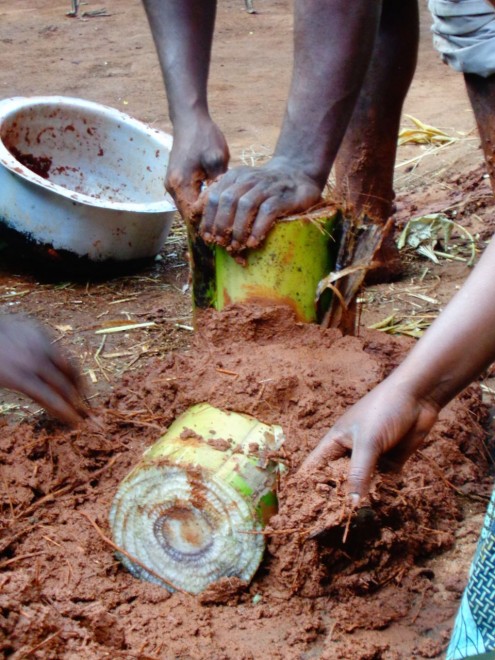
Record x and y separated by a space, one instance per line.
183 33
333 43
461 342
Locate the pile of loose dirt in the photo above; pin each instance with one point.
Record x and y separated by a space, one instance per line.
63 594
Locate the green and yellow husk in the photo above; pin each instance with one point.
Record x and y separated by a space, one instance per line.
191 509
296 255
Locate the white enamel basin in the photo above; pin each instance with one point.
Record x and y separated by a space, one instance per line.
83 177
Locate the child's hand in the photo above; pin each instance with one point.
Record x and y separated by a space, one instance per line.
31 364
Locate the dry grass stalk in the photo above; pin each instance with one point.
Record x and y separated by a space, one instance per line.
412 327
422 133
125 328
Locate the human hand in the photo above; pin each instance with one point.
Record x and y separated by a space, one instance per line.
242 206
199 153
390 422
32 365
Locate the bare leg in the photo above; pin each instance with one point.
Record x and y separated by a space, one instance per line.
481 92
366 158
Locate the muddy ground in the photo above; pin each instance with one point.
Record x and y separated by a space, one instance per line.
391 595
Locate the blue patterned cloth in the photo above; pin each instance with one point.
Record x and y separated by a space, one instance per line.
474 629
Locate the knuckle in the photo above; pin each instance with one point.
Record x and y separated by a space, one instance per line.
173 181
215 162
268 206
212 200
245 204
357 475
239 232
228 198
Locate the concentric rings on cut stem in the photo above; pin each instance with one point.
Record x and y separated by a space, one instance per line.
188 530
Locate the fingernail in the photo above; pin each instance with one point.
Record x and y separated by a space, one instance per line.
252 242
207 237
354 500
235 245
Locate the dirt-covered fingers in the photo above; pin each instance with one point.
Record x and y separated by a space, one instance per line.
332 446
276 204
64 379
50 379
199 154
254 216
221 201
195 192
32 365
184 186
364 458
58 399
243 206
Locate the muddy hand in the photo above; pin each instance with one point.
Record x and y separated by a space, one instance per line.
32 365
241 208
389 423
199 153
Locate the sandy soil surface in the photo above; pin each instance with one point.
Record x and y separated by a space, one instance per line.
387 595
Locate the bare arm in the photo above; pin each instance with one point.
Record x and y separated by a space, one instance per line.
461 342
332 48
183 33
333 45
395 417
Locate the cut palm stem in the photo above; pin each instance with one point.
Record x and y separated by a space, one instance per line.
286 269
184 511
